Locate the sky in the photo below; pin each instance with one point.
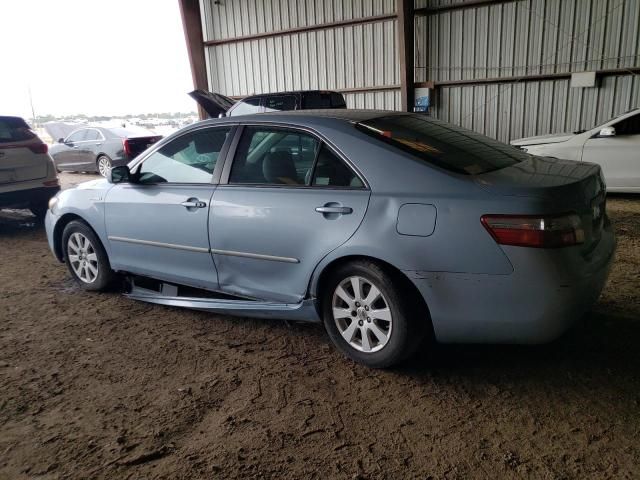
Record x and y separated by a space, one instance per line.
108 57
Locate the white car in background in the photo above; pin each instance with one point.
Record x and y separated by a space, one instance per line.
614 145
28 176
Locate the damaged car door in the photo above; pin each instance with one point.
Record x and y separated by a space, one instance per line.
157 223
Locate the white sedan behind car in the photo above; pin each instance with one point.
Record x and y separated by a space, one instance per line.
614 145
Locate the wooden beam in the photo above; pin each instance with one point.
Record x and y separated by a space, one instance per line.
192 26
309 28
404 10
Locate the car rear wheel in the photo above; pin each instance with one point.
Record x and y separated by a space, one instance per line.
368 318
104 165
86 258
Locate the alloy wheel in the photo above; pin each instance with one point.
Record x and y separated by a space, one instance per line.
82 257
104 165
362 314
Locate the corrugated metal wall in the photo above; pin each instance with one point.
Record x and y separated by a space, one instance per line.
337 58
503 40
529 37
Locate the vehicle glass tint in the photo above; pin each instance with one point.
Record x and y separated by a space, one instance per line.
332 172
274 156
337 100
247 106
77 136
628 126
92 135
190 158
442 144
14 130
311 100
280 102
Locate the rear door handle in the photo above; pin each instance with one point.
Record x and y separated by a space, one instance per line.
341 210
194 203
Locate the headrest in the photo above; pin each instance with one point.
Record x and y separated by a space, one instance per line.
278 167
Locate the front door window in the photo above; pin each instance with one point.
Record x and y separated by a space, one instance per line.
190 158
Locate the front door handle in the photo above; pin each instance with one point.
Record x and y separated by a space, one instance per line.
194 203
340 210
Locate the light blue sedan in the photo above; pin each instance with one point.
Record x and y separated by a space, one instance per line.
387 227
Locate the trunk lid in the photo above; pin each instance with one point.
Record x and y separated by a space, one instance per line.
212 103
565 185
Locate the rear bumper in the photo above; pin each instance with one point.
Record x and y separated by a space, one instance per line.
27 197
547 292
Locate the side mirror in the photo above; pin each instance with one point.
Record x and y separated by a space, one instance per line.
119 174
61 140
607 132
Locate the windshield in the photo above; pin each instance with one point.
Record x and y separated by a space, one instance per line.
442 144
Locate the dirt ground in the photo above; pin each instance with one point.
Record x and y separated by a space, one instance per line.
98 386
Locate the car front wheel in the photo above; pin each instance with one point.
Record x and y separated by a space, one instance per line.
85 257
368 318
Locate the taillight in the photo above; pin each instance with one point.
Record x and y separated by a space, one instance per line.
51 183
39 148
126 146
544 231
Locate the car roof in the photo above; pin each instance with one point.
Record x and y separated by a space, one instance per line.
288 92
305 116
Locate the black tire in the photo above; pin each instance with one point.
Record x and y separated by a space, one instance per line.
99 160
105 277
409 322
39 210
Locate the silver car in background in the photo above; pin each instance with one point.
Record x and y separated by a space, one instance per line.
614 145
387 227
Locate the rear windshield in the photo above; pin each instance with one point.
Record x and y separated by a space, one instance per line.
442 144
14 129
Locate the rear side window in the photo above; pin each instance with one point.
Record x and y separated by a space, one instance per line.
92 135
279 103
330 171
13 129
337 101
312 100
442 144
274 156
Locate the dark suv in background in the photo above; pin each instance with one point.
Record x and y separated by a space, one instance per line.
217 105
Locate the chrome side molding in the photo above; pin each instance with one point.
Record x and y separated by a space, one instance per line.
257 256
158 244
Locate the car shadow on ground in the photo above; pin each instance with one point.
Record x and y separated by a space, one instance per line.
600 352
